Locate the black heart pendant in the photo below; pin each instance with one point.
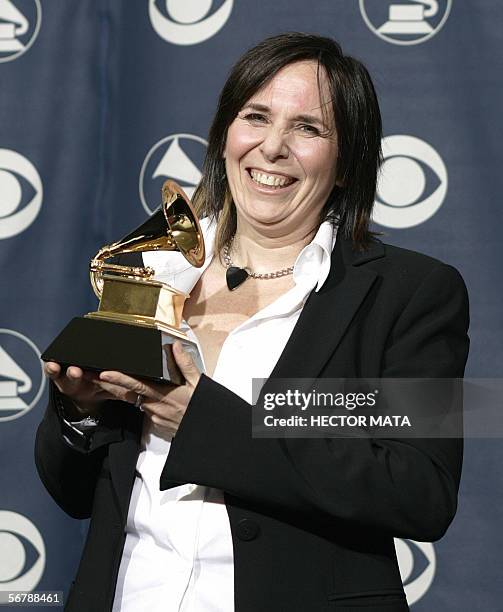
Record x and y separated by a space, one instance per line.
235 276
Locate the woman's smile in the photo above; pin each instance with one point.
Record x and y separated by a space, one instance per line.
270 182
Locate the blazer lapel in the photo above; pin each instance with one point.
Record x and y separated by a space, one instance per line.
328 313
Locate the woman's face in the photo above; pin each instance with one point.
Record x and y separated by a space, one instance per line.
280 154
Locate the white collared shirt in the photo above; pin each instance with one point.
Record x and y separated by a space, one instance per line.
178 554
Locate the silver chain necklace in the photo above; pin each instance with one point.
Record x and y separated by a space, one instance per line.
236 276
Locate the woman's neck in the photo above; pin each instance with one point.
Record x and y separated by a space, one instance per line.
265 253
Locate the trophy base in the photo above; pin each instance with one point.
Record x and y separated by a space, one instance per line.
97 342
142 321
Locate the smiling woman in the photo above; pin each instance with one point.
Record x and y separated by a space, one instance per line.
188 511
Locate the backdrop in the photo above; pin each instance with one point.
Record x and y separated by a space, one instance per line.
101 100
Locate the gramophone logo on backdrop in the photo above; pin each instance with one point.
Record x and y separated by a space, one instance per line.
417 563
22 553
19 27
20 193
412 182
188 22
22 380
178 157
405 22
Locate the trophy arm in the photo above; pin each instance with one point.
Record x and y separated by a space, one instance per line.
98 267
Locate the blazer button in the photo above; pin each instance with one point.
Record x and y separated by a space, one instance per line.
247 529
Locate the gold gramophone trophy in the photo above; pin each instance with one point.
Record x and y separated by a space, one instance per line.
138 318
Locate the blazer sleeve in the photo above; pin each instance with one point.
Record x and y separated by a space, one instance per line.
69 470
405 487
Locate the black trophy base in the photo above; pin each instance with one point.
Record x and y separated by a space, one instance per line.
94 344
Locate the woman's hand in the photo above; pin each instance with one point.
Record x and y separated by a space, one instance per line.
164 403
80 386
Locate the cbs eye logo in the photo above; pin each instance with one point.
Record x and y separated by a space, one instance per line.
21 193
405 23
178 157
19 27
22 553
187 22
410 168
417 564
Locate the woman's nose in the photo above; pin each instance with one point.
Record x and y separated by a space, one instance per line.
274 145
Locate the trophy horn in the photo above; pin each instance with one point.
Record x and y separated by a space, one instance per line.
174 227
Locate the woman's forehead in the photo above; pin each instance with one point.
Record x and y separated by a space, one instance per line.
301 86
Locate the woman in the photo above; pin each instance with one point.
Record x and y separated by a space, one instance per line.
188 511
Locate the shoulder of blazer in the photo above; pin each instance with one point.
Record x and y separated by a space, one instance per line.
378 251
385 260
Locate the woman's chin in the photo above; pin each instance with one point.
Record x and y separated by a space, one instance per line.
262 216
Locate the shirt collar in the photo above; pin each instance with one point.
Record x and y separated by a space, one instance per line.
311 267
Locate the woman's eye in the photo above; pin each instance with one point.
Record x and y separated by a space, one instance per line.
255 117
309 129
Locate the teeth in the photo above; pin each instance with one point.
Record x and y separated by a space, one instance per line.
269 179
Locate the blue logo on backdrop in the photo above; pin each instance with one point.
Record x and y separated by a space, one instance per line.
19 182
178 157
22 379
410 166
187 22
405 22
22 553
417 563
19 27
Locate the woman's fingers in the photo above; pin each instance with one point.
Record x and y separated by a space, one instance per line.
164 403
186 364
52 369
74 373
74 382
118 392
128 388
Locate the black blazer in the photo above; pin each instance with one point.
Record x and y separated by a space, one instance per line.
312 520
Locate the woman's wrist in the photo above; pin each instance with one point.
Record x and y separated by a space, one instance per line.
74 411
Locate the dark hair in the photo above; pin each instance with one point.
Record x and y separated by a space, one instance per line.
357 122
